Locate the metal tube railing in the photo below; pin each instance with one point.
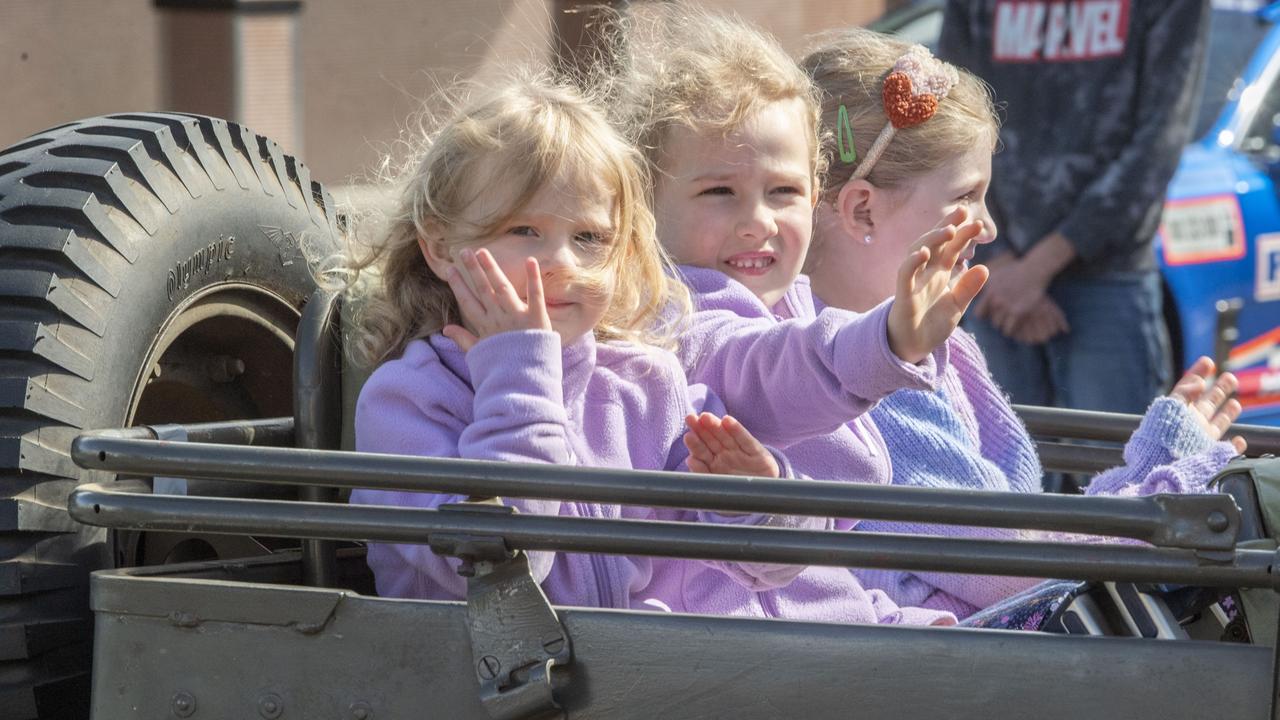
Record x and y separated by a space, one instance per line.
1117 427
98 505
1206 522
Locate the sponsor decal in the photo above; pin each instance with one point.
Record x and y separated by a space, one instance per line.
1267 285
1258 386
1059 31
1256 363
1257 350
1202 229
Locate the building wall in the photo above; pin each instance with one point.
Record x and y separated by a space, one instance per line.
368 66
61 60
359 68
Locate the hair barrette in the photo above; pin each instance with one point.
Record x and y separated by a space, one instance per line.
915 85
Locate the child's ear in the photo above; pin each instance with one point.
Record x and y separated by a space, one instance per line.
853 206
434 251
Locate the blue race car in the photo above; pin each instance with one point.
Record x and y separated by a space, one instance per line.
1219 240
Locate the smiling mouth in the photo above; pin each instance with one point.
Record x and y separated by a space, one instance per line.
751 264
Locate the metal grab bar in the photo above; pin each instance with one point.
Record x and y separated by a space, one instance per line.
271 432
99 505
1117 427
1204 522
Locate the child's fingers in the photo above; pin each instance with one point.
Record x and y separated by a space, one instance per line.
1203 366
1221 420
504 294
478 278
698 466
740 436
468 303
968 285
951 251
533 287
908 271
697 448
707 428
460 335
718 434
1194 381
957 216
1188 389
935 239
1212 400
1239 444
1231 409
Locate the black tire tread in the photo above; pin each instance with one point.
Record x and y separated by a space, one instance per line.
78 205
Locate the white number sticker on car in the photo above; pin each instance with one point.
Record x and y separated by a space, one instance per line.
1202 229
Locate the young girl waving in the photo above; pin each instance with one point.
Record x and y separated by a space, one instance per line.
894 175
729 125
521 291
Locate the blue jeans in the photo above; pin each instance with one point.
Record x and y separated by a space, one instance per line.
1115 358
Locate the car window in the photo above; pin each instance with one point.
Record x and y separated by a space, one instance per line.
1234 34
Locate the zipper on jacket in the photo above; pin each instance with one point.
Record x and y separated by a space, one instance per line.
600 564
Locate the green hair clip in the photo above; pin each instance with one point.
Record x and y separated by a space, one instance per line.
843 130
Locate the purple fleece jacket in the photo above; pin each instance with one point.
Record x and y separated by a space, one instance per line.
519 397
966 435
799 379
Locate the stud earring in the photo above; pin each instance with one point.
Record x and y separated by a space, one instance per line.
866 239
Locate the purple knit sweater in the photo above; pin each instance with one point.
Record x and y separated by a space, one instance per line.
966 435
519 397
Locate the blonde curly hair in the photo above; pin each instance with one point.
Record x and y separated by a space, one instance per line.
482 166
677 65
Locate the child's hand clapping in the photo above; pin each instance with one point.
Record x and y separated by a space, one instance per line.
1213 407
489 303
722 446
928 304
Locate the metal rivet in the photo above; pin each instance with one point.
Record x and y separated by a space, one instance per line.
1218 521
270 706
488 667
183 704
361 711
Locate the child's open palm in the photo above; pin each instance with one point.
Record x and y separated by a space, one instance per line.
928 304
722 446
489 303
1211 403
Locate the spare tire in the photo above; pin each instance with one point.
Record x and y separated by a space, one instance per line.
150 272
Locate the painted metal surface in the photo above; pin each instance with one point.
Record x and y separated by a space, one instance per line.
166 635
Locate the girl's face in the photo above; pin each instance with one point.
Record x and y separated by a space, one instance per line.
565 228
741 203
853 269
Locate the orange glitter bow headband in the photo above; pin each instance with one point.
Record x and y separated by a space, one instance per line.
912 90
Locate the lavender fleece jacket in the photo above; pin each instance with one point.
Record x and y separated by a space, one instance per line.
966 435
799 379
519 397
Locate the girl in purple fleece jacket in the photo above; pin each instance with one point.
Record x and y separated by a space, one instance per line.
729 125
963 433
521 293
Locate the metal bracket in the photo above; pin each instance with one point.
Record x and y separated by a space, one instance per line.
516 636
